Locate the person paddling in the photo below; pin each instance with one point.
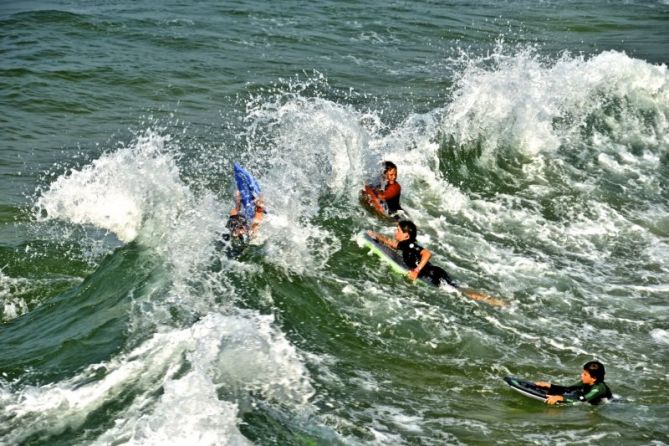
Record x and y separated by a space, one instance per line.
417 259
386 200
238 224
591 389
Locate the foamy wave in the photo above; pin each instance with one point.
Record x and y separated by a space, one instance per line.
314 148
241 354
188 413
117 191
534 106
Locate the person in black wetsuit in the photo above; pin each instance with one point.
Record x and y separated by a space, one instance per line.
417 259
591 389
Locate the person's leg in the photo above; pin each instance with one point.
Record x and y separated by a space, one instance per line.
436 275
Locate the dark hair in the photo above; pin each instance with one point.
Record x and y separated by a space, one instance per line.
236 225
388 165
408 226
596 370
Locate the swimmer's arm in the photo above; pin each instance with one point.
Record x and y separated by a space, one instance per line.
383 239
238 204
394 191
390 192
425 255
555 392
256 221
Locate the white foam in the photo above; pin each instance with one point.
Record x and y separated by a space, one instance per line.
316 150
660 336
216 349
119 190
137 194
515 103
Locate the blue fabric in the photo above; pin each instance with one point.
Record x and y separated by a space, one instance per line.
249 190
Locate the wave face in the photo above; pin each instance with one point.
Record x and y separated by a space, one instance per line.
535 172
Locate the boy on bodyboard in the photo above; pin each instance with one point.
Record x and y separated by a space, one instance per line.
591 389
245 217
417 260
386 201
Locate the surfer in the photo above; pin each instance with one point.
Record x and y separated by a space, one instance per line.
245 217
417 259
591 389
386 200
238 224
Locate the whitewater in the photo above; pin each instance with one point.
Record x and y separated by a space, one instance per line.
536 176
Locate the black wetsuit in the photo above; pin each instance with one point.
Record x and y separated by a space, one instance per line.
235 241
411 255
393 204
582 392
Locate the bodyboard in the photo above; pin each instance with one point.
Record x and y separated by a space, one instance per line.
249 190
391 257
370 200
527 388
369 197
531 390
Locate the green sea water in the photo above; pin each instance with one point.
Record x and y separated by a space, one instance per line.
531 140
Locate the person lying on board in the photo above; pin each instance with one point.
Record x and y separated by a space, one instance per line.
417 259
591 389
238 224
389 197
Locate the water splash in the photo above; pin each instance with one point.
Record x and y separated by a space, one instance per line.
121 192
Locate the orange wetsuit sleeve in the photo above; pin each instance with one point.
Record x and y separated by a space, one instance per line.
391 191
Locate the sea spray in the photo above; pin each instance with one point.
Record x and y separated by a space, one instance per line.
115 191
185 364
529 104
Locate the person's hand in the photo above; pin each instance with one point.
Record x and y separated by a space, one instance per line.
413 274
372 234
542 384
554 399
260 204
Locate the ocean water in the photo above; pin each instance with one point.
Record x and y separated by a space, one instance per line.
532 141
